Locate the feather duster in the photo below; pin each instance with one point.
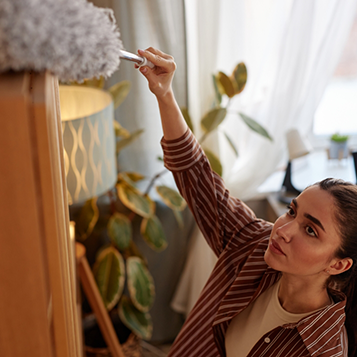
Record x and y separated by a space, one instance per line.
73 39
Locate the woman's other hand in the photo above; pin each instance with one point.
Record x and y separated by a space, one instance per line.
160 77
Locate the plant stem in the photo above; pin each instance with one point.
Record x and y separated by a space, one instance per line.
152 181
112 201
131 216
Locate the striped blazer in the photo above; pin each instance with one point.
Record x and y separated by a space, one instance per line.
240 275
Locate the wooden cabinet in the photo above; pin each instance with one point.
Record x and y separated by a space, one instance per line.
38 315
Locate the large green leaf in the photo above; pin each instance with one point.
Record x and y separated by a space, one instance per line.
255 126
119 230
153 233
216 90
187 118
225 84
171 198
109 273
214 162
239 77
230 142
133 199
138 322
213 118
87 219
119 92
127 141
140 284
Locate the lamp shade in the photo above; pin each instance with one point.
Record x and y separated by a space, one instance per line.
89 141
297 146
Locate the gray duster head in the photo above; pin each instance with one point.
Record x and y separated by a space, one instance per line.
73 39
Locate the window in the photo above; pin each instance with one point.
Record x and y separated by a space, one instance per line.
337 111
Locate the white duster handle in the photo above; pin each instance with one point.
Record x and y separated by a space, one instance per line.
140 61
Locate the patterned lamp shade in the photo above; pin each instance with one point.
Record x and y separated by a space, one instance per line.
89 141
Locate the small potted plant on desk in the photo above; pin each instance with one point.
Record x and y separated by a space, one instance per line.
338 147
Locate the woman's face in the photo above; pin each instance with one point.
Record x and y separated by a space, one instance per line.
304 240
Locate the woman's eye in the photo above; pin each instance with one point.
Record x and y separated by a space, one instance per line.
310 231
291 212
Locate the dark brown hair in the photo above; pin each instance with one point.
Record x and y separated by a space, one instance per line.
345 196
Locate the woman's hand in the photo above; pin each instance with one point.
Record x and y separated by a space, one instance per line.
160 77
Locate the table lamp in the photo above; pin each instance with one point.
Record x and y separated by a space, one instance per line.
89 141
297 147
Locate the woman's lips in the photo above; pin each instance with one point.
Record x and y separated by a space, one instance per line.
275 247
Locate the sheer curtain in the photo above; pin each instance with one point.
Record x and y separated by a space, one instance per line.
291 49
202 45
202 27
148 23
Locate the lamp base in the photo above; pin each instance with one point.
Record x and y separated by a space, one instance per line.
354 155
288 191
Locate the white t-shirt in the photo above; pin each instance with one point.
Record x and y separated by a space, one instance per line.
260 317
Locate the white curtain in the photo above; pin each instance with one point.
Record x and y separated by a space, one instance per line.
202 45
291 48
143 24
202 28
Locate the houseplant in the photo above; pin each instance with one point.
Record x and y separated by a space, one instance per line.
338 146
226 87
120 270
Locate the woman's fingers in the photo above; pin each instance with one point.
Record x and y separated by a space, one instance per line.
160 53
160 77
164 61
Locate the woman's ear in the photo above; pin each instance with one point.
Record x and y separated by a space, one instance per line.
340 266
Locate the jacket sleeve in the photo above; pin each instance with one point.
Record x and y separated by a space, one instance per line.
218 215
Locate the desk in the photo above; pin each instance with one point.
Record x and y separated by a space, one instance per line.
316 167
309 169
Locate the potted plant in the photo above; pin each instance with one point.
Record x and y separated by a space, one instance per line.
226 87
120 270
338 146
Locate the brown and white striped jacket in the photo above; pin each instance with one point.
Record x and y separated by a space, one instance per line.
239 240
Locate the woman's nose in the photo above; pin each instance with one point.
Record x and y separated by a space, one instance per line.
286 231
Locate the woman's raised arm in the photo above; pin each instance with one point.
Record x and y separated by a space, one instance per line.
160 83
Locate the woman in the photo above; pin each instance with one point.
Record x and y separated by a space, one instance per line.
276 290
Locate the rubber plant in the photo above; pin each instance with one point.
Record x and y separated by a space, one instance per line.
120 263
226 87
